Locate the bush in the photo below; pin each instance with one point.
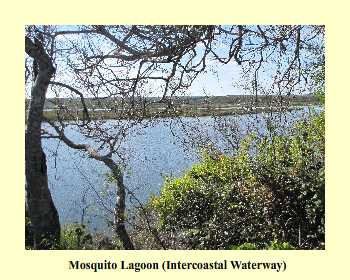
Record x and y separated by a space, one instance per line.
245 246
280 246
275 193
292 168
211 207
75 237
275 245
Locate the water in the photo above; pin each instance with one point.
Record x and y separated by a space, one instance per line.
79 185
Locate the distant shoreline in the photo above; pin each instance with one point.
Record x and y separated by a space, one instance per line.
194 106
105 115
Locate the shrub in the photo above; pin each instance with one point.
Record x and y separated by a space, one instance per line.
212 207
245 246
275 245
75 237
275 193
292 168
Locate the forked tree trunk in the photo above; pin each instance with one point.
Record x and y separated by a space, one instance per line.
40 208
119 209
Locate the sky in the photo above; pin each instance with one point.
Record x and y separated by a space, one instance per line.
220 83
223 80
218 80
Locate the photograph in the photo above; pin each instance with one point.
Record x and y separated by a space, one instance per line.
174 137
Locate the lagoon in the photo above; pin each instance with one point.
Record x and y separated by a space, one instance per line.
79 185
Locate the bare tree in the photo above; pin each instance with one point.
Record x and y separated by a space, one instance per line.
154 46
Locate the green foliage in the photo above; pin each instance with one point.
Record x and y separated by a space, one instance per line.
245 246
75 237
211 202
320 94
293 170
275 194
275 245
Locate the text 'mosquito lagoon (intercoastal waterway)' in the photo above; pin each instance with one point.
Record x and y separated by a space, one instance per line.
168 265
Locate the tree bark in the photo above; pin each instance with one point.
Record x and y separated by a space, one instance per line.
119 209
41 209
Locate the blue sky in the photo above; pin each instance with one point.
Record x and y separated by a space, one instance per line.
220 83
219 79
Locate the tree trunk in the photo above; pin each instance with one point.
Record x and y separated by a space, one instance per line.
41 210
119 209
